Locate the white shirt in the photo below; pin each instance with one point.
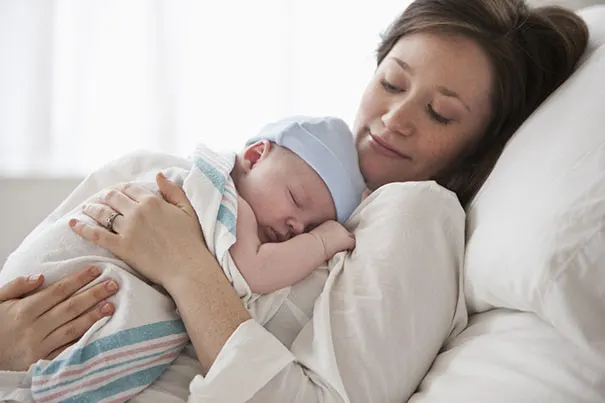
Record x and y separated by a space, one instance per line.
381 319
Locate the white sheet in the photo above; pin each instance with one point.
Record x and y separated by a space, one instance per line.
508 356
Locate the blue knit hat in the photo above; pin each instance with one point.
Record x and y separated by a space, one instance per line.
327 145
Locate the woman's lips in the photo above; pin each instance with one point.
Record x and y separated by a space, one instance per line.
382 147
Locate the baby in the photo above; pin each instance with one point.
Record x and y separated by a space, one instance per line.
271 215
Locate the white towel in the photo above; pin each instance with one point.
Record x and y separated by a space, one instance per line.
121 355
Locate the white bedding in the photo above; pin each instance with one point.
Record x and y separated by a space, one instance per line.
506 356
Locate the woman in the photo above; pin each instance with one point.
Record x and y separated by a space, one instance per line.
454 81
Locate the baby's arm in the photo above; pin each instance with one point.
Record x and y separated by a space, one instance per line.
271 266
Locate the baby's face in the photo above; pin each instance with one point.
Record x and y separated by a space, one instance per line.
287 196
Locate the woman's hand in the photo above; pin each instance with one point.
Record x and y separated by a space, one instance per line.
41 324
156 237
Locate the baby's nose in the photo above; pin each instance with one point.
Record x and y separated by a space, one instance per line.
296 227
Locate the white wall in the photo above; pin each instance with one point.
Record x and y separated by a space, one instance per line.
24 202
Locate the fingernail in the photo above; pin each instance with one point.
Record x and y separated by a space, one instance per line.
33 278
106 308
95 271
73 222
111 286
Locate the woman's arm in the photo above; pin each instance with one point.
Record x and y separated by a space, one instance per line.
208 305
379 323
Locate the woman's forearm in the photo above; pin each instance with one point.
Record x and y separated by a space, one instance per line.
211 316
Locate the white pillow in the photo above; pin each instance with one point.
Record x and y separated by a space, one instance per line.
536 230
508 356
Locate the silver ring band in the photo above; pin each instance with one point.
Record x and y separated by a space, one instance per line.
109 221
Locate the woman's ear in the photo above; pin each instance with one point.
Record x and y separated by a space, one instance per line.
255 152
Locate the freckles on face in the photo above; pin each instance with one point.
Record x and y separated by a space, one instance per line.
428 102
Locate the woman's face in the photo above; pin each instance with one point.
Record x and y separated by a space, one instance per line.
428 101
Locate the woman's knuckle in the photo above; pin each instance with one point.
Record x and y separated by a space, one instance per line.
93 316
60 289
70 332
95 236
71 307
21 313
110 194
99 292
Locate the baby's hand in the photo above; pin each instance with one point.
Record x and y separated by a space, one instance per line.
334 238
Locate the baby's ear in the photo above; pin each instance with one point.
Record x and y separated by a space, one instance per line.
255 152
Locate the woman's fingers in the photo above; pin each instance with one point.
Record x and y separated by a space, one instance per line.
119 201
97 235
77 304
136 192
71 331
52 295
20 287
105 216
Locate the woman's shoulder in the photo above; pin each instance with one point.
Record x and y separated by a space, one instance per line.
411 195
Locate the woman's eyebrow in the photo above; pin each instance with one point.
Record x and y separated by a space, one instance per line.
403 65
449 93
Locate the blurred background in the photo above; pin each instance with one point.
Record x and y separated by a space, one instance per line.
83 82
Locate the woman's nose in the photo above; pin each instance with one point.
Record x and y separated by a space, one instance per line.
399 118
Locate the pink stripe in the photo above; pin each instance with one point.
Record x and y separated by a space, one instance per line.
230 194
94 382
61 375
229 204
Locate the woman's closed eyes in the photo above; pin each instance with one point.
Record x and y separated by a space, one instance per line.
393 89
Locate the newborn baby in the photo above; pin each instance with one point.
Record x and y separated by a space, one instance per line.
271 214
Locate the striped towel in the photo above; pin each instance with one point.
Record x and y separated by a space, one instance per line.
120 356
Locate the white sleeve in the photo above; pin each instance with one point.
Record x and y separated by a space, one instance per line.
385 312
15 387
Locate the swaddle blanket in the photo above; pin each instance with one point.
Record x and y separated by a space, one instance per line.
121 355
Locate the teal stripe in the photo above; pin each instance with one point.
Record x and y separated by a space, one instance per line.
87 374
215 176
118 340
227 218
219 180
136 380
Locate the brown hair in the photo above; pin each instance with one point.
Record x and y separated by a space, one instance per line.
532 51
